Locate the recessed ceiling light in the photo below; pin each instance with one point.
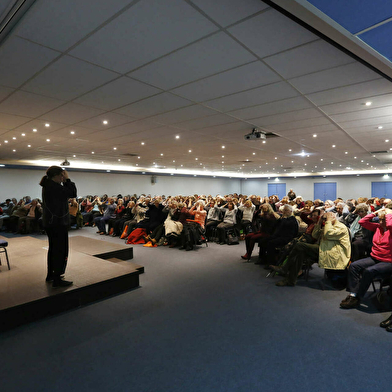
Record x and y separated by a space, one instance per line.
264 142
14 138
114 148
92 152
5 141
119 160
74 156
105 122
138 157
355 157
223 161
161 155
14 150
254 153
276 157
48 140
47 125
142 143
290 149
72 132
223 147
314 135
35 130
368 103
196 159
182 165
189 150
333 145
23 134
177 136
387 140
321 159
346 152
29 145
380 127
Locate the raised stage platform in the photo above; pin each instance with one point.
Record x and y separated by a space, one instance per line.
98 269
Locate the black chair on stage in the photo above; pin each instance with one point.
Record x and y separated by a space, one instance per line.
3 249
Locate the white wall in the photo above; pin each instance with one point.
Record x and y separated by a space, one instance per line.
21 182
346 186
18 183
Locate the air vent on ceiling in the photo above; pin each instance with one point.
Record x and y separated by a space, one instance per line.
129 154
270 135
379 152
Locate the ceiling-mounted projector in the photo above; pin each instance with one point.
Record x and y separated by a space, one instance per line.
65 163
255 135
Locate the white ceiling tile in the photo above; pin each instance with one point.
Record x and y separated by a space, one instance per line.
238 79
148 30
154 105
71 113
226 130
257 96
270 33
203 58
204 122
374 121
60 24
310 122
226 12
117 93
334 77
377 113
79 133
284 105
358 105
183 114
312 57
287 117
5 91
20 60
113 119
11 121
360 90
68 78
135 127
31 105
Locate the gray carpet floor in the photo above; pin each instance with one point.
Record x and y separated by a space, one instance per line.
202 320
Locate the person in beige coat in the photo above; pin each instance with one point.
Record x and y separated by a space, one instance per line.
332 250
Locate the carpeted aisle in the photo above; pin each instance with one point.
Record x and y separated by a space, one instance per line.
202 321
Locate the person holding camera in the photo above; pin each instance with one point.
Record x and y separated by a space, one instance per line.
332 250
57 188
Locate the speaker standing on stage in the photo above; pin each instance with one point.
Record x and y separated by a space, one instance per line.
57 188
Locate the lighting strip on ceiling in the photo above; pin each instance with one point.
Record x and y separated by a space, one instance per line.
12 15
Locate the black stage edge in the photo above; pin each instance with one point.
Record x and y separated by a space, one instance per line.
126 254
100 269
63 301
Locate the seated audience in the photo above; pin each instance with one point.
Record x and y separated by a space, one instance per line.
264 224
332 252
285 231
378 264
